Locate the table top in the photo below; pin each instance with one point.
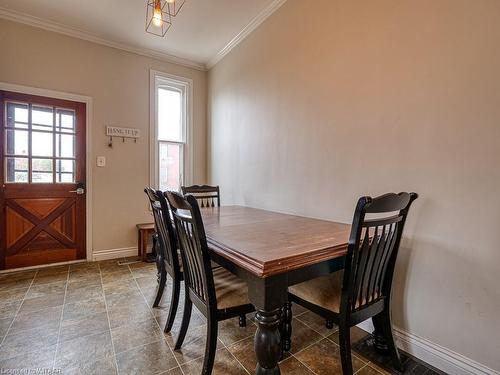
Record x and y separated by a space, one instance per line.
267 243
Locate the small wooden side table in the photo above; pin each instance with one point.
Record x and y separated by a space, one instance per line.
145 231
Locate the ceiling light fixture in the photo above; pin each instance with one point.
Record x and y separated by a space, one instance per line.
174 6
158 19
159 15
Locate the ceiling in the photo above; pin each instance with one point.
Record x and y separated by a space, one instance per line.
202 32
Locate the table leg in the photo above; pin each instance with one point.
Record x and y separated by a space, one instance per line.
139 243
144 249
267 342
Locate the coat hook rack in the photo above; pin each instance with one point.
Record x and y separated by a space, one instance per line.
123 133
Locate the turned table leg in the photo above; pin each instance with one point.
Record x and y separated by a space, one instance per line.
267 342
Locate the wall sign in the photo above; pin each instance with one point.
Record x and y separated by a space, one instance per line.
113 131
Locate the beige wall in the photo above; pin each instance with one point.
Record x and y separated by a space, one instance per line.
330 100
118 83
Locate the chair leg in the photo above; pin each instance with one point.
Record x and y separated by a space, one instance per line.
287 326
243 321
211 346
329 324
345 349
188 306
174 303
389 336
161 288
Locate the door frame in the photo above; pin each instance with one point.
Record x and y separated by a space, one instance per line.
88 137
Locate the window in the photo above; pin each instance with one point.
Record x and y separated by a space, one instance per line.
171 119
39 144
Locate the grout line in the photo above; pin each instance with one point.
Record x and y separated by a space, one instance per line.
302 363
229 351
109 323
18 309
161 330
60 322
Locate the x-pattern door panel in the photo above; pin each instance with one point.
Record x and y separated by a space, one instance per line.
42 195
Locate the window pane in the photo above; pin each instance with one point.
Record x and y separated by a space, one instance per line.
16 169
65 121
170 166
41 171
42 118
41 144
17 142
169 115
65 145
65 171
17 115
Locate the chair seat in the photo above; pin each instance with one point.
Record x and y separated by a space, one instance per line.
229 289
324 291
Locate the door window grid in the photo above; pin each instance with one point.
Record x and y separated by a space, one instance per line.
48 136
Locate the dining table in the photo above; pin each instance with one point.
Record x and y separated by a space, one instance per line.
272 251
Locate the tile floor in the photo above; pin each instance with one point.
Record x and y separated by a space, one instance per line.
96 318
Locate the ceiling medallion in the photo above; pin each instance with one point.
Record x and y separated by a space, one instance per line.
159 15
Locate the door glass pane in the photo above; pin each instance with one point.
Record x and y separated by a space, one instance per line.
17 142
42 118
65 171
41 171
17 115
65 145
169 115
170 166
41 144
16 169
65 121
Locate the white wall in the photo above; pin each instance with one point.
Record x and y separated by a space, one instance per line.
118 83
333 99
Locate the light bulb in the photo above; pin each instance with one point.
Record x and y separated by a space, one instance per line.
157 16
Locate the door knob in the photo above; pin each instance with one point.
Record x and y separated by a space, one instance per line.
78 191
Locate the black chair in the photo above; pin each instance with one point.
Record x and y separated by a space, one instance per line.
206 195
217 293
167 255
363 289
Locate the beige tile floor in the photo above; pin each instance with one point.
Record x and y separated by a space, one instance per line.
96 318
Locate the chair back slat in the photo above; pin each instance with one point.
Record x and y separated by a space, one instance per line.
207 196
167 239
193 244
373 248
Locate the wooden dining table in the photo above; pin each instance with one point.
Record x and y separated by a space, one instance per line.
272 251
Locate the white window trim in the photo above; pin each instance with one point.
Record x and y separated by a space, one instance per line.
156 78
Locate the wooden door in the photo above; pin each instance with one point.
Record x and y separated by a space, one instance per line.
42 176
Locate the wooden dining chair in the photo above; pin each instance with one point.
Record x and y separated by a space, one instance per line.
363 289
205 194
168 258
217 293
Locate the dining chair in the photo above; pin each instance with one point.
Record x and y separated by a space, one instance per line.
205 194
217 293
168 258
363 289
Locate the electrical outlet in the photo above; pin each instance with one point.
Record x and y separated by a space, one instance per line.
101 161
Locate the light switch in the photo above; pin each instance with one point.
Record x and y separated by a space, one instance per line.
101 161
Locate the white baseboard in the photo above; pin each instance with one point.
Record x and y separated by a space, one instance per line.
114 253
436 355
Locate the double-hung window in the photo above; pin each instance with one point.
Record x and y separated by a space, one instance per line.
171 119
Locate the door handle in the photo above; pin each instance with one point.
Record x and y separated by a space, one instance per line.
78 191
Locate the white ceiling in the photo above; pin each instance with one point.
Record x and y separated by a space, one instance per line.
200 33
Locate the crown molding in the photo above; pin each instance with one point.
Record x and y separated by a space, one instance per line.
247 30
80 34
